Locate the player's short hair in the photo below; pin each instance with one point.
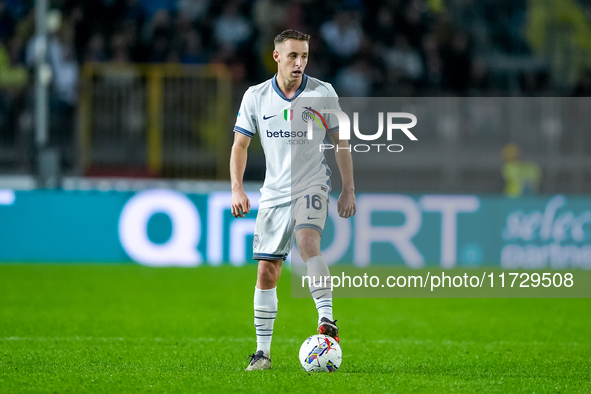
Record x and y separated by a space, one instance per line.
291 34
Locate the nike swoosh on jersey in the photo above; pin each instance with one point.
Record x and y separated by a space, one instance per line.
309 218
268 117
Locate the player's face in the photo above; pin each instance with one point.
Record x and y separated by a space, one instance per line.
291 57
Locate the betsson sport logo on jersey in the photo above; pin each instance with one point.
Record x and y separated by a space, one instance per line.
312 116
288 116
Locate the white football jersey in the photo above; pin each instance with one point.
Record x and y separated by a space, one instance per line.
295 164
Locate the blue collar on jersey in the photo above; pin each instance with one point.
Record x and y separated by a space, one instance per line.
300 90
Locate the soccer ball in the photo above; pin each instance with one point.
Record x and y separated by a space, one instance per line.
320 353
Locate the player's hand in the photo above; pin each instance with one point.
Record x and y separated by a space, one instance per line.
240 204
346 204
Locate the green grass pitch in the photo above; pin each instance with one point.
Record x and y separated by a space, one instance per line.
76 328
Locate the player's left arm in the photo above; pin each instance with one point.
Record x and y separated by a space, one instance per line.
346 204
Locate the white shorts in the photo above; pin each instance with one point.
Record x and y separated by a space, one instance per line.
275 227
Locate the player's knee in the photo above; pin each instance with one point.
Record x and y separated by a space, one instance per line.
265 271
268 272
309 244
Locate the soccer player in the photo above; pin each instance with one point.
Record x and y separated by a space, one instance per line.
295 193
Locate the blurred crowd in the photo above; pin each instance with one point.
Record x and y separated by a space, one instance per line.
379 48
363 47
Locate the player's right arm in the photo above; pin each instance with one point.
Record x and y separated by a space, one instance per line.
240 202
244 130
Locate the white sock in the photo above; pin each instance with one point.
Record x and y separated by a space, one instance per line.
265 312
319 289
